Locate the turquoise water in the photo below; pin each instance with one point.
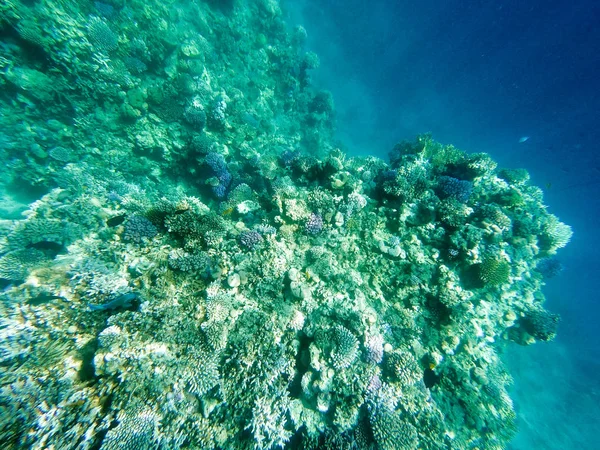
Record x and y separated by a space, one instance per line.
309 225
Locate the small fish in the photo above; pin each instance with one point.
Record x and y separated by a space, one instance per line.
117 220
123 301
523 139
43 298
227 212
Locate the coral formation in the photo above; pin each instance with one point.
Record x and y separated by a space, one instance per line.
494 271
199 265
541 324
138 228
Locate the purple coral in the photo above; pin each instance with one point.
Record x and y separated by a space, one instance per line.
374 349
450 187
217 163
314 224
374 385
250 239
138 228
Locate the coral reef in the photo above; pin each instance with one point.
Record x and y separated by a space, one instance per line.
198 265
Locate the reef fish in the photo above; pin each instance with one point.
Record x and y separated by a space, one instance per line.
43 298
123 301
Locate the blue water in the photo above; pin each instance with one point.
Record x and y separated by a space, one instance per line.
485 75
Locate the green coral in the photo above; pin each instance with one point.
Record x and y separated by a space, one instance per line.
197 230
494 271
514 176
37 231
391 431
401 366
453 213
343 347
203 371
411 181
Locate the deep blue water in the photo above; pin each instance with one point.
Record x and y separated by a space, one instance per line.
482 75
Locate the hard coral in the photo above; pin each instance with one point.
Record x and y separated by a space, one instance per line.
139 229
449 187
134 431
401 366
390 431
250 239
549 267
314 224
494 271
102 36
541 324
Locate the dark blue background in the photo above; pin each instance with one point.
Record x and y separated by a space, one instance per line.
481 75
